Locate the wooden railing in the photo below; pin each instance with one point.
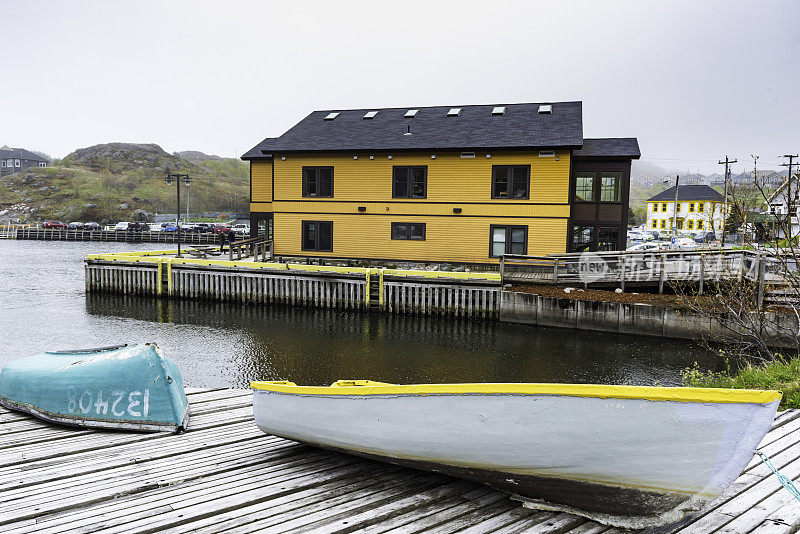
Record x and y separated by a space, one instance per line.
650 268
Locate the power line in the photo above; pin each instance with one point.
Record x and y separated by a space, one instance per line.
727 164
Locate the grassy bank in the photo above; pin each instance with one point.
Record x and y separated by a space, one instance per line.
782 375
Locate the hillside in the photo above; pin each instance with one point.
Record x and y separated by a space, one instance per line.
110 182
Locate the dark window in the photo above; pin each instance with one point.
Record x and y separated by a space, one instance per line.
508 240
414 231
608 238
317 181
410 182
610 184
511 181
584 186
317 235
582 238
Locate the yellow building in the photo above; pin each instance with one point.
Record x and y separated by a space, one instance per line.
699 210
438 184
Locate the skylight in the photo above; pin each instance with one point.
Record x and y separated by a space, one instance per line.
499 110
411 113
454 112
370 114
545 108
330 116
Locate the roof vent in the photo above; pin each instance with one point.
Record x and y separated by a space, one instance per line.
330 116
411 113
370 115
454 112
499 110
545 108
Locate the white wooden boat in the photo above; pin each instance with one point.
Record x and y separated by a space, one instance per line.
627 456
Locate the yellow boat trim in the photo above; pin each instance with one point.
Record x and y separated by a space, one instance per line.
676 394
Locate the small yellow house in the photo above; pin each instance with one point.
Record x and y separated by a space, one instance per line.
440 184
699 210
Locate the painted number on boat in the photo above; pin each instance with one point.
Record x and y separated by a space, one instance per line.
115 402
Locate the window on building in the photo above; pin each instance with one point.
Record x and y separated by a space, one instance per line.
412 231
317 181
16 163
655 223
9 163
655 207
610 185
42 164
608 238
317 236
699 225
664 207
680 224
690 224
582 238
701 207
410 182
511 181
691 207
508 240
584 186
3 164
663 224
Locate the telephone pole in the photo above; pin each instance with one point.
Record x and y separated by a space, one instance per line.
789 196
727 164
675 211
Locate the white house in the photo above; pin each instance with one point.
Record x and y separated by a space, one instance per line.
700 209
780 205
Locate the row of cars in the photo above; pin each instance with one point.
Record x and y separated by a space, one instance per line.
128 226
643 240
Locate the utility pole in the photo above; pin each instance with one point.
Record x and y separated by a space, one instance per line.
727 164
675 212
177 177
789 196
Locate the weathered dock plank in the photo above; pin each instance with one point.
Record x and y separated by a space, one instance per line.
224 475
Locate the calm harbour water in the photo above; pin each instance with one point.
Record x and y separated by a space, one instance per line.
43 307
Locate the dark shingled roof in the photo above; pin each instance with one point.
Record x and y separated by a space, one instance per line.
609 147
688 193
20 153
522 126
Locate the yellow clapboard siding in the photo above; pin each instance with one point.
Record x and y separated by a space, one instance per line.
457 239
497 209
451 178
261 180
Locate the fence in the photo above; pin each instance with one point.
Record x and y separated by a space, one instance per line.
52 234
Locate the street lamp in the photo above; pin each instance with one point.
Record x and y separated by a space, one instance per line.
176 177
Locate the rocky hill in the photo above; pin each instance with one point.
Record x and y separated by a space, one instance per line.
121 181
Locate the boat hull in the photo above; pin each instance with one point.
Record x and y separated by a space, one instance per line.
130 388
630 462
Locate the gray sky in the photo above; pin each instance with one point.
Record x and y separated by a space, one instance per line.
693 80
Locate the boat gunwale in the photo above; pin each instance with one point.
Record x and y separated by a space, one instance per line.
650 393
94 422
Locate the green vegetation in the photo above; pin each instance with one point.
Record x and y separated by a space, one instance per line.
782 374
108 183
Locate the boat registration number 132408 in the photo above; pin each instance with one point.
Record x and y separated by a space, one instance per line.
115 402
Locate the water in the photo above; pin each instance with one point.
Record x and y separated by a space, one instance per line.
43 307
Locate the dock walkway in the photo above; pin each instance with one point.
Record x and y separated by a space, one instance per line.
224 475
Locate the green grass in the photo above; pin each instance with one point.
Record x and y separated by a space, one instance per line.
782 375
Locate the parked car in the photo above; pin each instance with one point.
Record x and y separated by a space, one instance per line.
75 225
646 247
92 226
684 243
122 226
705 237
203 227
138 227
171 227
241 229
55 225
221 228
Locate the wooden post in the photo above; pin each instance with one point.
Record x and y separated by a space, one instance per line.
702 274
760 302
555 272
622 273
661 274
502 270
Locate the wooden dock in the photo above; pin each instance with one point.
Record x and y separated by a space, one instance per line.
224 475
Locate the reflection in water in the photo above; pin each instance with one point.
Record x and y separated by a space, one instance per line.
230 344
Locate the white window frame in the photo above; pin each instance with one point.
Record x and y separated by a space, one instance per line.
17 163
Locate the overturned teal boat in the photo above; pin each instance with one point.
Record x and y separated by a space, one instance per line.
120 387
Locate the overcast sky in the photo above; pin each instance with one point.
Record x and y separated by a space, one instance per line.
693 80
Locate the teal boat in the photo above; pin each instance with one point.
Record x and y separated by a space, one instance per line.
121 387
